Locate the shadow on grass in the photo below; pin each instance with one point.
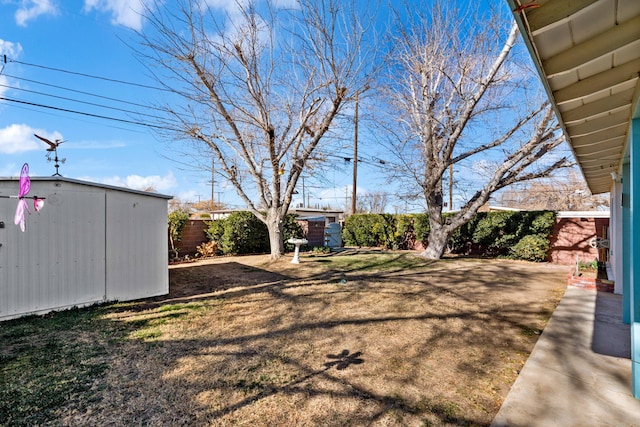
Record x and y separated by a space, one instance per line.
244 364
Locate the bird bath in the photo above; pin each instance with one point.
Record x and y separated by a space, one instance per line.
296 254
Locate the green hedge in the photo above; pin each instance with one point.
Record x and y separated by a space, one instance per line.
512 234
385 230
243 233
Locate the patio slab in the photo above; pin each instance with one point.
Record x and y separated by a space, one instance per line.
579 373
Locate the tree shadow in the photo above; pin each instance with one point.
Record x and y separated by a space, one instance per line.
170 376
192 283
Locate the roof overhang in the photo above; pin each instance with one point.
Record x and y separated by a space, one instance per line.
587 53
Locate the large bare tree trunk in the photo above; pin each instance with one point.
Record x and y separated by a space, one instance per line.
437 243
274 222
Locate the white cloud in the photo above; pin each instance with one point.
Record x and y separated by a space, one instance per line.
128 13
10 169
18 138
230 7
4 82
31 9
292 4
187 196
12 50
137 182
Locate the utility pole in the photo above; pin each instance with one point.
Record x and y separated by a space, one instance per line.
303 193
355 160
213 194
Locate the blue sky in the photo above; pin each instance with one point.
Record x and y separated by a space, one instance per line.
82 50
50 45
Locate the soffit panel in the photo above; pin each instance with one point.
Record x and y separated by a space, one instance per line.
621 118
595 67
602 146
601 135
588 53
563 80
553 41
594 20
627 8
627 53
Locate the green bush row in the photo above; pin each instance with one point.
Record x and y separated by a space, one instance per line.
243 233
518 235
385 230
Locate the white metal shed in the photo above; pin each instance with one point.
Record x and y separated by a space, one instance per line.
91 243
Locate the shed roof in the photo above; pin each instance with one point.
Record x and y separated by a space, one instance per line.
89 184
588 55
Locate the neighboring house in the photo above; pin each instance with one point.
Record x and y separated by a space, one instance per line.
90 243
587 54
330 216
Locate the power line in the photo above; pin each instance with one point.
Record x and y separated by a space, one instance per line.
89 76
128 129
85 114
83 92
79 101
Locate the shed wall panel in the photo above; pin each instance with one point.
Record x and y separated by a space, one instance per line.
137 248
59 261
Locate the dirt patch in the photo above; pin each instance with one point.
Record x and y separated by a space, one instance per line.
382 338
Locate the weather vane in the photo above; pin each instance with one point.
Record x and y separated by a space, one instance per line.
53 151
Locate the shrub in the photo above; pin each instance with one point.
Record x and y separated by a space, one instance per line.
177 220
208 249
496 233
215 231
243 233
240 233
369 230
404 231
532 247
543 223
421 227
291 229
321 250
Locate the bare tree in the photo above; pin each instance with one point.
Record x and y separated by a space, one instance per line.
259 86
568 193
375 202
209 205
456 94
176 204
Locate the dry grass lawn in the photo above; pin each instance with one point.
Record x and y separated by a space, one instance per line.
354 338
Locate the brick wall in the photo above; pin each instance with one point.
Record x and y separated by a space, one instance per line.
193 235
571 238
